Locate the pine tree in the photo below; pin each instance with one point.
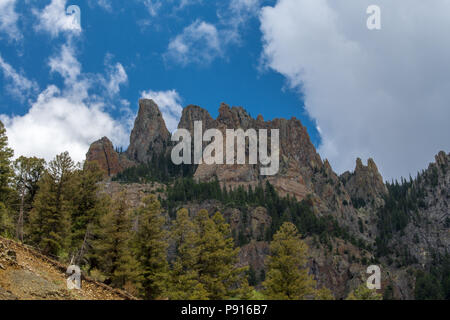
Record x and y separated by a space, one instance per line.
184 278
111 248
364 293
88 206
287 277
323 294
28 172
50 217
150 245
6 173
217 258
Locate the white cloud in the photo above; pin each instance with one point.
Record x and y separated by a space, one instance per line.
153 6
66 64
105 4
202 42
19 86
234 17
198 43
55 124
116 77
8 19
381 94
69 119
54 19
169 103
185 3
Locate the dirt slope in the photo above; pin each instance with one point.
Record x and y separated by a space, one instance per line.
25 274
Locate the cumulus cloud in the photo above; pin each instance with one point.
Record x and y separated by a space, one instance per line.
8 19
55 124
18 85
66 64
115 78
381 94
54 19
202 42
198 43
69 119
169 103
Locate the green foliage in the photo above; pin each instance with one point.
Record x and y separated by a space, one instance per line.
6 221
53 207
184 277
280 209
28 172
111 249
401 201
160 168
88 206
150 245
435 284
6 172
205 264
217 257
364 293
287 276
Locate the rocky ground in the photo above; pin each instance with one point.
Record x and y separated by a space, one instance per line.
25 274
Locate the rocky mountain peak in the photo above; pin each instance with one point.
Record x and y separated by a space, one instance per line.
149 135
102 151
365 183
195 113
235 117
442 158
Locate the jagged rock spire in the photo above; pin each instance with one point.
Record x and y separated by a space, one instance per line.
149 135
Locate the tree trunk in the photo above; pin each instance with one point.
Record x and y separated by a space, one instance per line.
19 229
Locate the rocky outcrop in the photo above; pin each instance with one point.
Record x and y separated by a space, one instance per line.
365 185
428 231
102 152
149 136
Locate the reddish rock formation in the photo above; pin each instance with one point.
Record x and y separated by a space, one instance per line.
102 152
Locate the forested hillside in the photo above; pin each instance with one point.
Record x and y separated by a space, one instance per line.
135 221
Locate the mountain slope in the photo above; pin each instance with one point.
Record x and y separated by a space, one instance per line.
26 274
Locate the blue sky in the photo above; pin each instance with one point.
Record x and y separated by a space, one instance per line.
64 85
131 34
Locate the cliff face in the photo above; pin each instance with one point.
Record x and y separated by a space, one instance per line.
427 233
111 162
149 135
355 199
365 184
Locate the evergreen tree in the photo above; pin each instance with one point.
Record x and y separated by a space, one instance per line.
364 293
28 172
287 277
111 248
50 217
323 294
150 245
6 173
88 207
184 279
217 258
